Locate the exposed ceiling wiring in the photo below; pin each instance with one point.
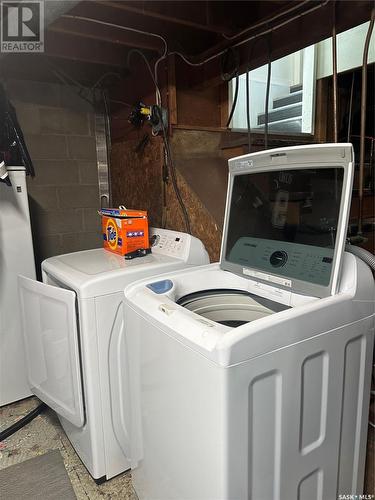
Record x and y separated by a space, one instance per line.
238 44
133 30
214 56
165 51
106 75
152 73
297 5
69 81
116 101
119 26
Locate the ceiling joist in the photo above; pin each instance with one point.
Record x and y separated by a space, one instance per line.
195 30
82 29
178 35
163 17
94 51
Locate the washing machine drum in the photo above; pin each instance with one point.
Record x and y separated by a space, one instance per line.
229 307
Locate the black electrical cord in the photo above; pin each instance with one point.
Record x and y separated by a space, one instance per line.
103 77
172 170
234 104
21 423
248 109
268 87
229 66
141 54
350 112
248 124
165 140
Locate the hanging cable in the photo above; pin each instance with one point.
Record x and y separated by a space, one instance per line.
229 66
119 26
116 101
103 77
172 170
156 66
363 121
133 30
267 21
154 78
350 108
238 44
268 87
248 109
70 81
234 103
248 122
152 74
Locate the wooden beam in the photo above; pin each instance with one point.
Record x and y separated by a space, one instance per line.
163 17
73 48
172 97
41 66
224 104
177 35
89 31
321 108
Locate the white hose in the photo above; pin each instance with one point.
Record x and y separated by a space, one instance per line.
363 254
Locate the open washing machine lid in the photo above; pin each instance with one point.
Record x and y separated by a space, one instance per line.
286 217
229 307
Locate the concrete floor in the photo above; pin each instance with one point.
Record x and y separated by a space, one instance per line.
44 433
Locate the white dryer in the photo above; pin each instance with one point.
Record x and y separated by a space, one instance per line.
250 378
16 256
74 339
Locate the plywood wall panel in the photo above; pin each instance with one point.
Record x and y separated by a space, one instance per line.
136 179
202 223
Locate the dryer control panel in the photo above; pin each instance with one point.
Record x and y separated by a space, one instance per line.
172 243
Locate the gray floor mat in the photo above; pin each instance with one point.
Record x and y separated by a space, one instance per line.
42 477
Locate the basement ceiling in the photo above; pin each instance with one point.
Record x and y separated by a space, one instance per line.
82 46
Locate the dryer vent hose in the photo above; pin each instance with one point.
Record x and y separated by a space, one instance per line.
362 254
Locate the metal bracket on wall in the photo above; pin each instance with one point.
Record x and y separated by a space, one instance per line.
101 138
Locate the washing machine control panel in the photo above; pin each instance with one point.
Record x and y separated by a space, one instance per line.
287 259
170 243
278 258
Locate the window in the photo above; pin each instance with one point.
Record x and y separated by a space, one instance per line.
291 95
350 46
292 90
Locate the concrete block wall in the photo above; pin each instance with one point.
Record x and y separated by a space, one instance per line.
59 131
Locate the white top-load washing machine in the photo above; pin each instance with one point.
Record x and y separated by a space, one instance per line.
74 339
250 378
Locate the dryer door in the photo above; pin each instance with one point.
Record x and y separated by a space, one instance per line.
52 350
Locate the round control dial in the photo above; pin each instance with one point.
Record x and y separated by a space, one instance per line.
278 258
